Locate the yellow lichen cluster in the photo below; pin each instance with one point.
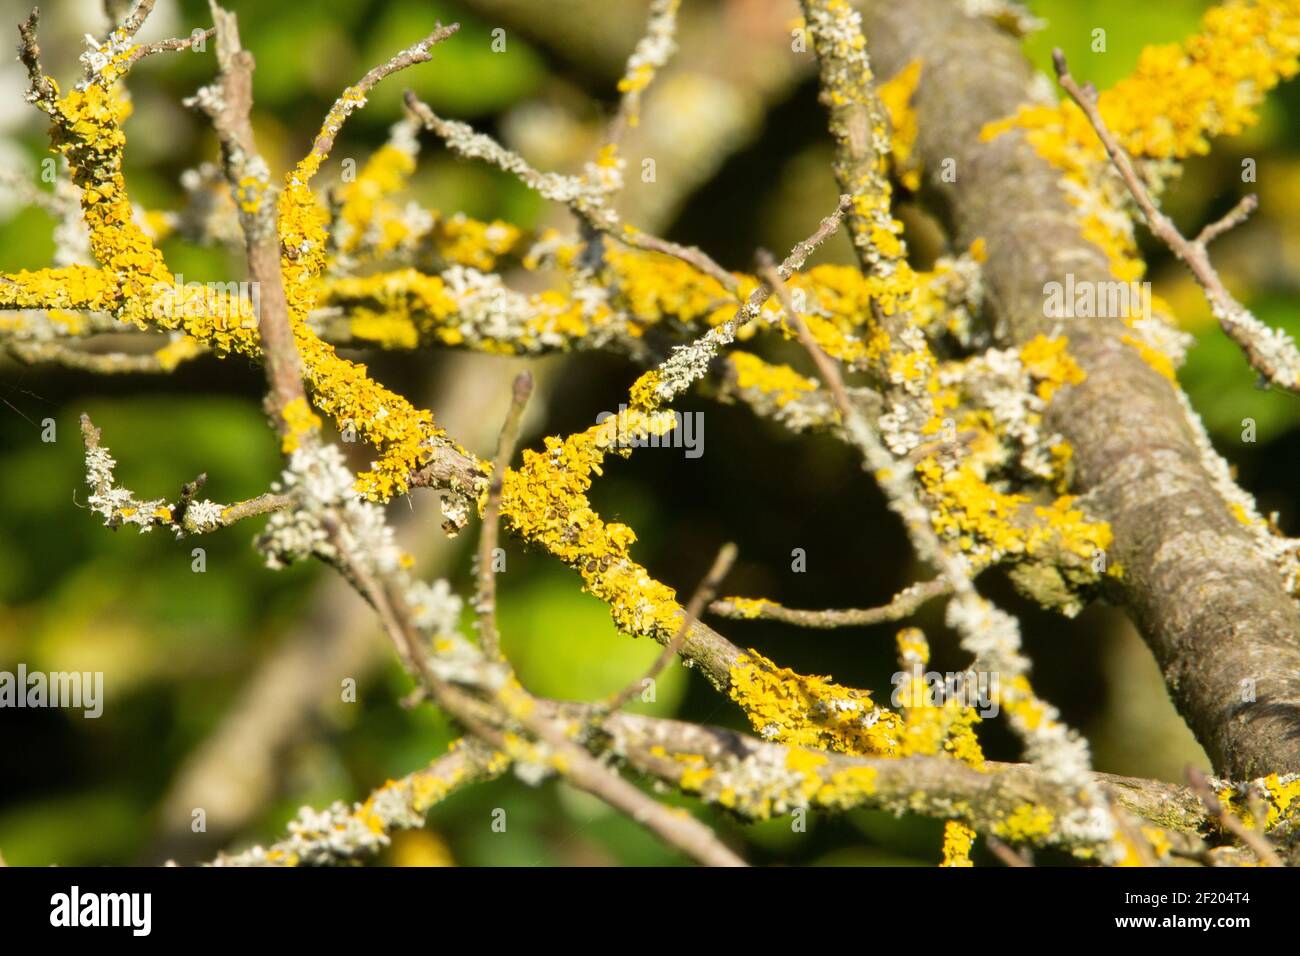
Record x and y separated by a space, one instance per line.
299 420
990 524
135 283
896 94
780 383
811 711
979 518
957 842
749 607
364 207
545 501
1278 795
757 794
654 287
461 240
1158 360
1050 364
933 726
1027 823
1183 94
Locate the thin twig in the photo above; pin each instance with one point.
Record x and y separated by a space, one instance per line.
584 771
1004 853
101 363
355 95
486 601
229 106
584 200
651 53
107 498
905 603
691 255
165 46
1233 218
43 90
703 593
1258 843
136 18
988 632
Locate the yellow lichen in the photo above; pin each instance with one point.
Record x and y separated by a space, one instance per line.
896 95
1176 100
1026 823
1050 364
957 842
1157 359
749 607
810 711
781 383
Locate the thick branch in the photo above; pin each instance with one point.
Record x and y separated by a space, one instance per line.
1212 607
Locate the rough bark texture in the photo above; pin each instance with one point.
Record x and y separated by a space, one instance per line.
1212 609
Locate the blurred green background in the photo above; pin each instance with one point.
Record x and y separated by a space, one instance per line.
188 656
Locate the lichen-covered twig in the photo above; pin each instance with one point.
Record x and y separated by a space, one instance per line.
1271 352
651 54
344 835
755 780
140 51
101 363
512 703
586 200
119 506
688 363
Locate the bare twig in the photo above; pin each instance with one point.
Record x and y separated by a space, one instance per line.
703 593
691 255
1233 218
486 601
1007 855
903 604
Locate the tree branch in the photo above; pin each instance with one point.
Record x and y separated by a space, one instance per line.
1208 601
